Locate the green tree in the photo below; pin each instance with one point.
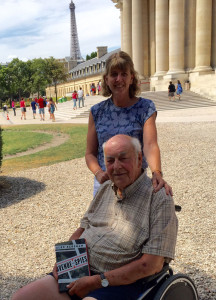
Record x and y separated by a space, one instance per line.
14 79
38 76
17 74
92 55
20 79
56 72
6 83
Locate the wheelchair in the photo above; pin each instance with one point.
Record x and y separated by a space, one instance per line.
167 286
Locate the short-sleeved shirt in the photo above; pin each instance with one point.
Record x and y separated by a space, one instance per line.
171 88
119 231
80 93
22 103
74 96
41 102
33 105
111 120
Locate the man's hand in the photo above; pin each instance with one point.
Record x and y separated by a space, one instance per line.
55 274
158 182
101 176
84 285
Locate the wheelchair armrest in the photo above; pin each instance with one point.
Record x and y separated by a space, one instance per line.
165 269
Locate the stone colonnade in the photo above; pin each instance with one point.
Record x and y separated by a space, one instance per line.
169 39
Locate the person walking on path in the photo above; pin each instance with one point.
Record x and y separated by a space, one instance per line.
179 89
80 97
13 104
5 108
171 91
23 108
74 98
52 106
41 108
34 107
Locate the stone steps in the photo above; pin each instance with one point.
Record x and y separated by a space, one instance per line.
189 99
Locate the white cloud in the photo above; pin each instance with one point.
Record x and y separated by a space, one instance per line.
38 28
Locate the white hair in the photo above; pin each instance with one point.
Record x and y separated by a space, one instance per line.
134 142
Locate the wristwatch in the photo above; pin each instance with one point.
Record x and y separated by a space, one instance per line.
104 281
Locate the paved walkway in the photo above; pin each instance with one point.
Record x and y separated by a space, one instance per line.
191 108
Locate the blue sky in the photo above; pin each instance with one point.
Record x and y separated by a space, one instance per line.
41 28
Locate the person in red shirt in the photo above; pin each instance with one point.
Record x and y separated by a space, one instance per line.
23 108
41 108
74 97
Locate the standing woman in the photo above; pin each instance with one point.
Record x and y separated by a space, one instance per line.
13 104
74 97
123 113
52 106
179 89
23 108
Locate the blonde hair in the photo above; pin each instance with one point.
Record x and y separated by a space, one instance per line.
120 60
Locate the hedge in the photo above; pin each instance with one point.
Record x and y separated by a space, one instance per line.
1 146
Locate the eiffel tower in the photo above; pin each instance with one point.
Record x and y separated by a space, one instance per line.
74 46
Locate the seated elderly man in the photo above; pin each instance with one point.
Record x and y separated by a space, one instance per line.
130 232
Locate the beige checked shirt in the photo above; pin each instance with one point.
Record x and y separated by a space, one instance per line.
119 231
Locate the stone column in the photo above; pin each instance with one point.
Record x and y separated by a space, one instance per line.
127 27
145 26
121 17
190 33
213 50
203 35
162 37
152 61
137 36
176 37
119 5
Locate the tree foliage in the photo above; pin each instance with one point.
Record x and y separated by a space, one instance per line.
92 55
23 79
56 72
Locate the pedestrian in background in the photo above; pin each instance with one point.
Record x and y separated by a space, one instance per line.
41 108
13 104
23 108
52 107
33 106
5 108
74 98
179 89
171 91
80 97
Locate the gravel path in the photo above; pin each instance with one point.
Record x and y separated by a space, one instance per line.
44 205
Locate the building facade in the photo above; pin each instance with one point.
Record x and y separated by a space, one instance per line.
171 40
83 75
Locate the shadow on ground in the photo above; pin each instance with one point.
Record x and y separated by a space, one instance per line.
15 189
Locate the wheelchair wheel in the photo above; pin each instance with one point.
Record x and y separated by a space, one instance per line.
177 287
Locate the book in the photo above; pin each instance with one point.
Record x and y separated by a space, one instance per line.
72 262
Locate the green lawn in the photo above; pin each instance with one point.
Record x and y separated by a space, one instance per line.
74 147
15 141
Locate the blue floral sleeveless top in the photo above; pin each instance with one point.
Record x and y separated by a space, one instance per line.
111 120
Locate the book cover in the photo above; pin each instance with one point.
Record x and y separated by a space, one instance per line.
72 262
